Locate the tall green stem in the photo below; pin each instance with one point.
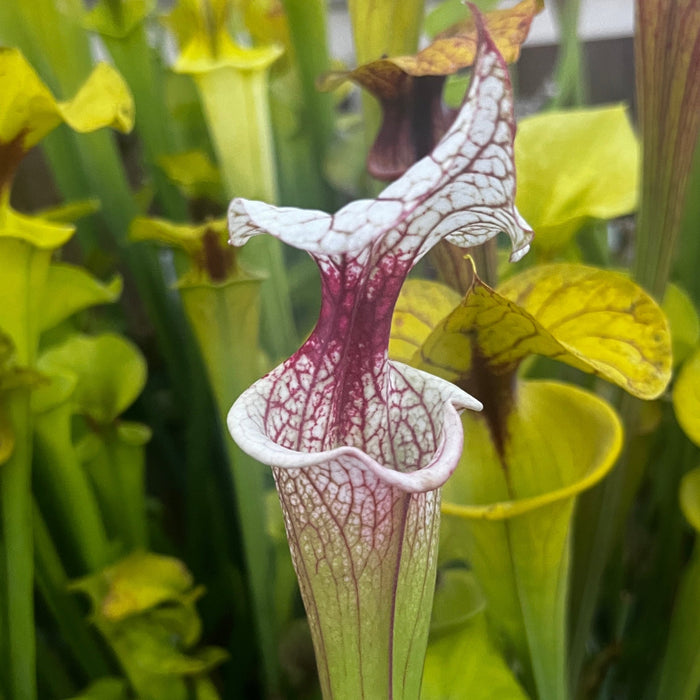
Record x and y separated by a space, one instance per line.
225 321
570 78
17 549
245 152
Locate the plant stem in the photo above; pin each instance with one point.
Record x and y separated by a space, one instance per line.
225 320
17 555
570 79
52 584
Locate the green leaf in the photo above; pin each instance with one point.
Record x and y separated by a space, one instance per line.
144 607
105 689
457 599
194 173
508 513
111 373
7 436
558 193
70 212
136 584
104 20
686 397
463 660
70 289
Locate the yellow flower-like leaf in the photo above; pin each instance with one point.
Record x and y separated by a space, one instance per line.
596 320
28 110
266 21
205 43
213 259
103 100
38 232
573 166
451 51
420 307
144 608
603 319
686 397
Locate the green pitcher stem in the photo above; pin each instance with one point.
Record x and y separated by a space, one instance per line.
225 322
19 644
245 153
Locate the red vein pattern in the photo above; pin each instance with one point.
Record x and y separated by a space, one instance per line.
360 445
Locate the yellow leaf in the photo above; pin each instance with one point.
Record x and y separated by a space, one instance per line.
104 99
686 397
451 51
420 307
28 110
557 190
690 497
194 174
41 233
135 584
602 319
213 259
596 320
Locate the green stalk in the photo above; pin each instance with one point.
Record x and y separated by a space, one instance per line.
60 478
225 320
307 26
686 264
244 150
52 584
23 277
17 555
569 76
669 115
133 57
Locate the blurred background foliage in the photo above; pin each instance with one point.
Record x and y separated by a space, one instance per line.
142 554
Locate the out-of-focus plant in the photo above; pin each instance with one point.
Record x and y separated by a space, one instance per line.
538 567
28 111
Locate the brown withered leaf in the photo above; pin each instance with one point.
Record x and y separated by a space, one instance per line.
409 88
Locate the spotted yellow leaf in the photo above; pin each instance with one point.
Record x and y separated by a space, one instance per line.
596 320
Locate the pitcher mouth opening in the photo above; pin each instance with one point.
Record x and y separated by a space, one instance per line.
248 430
